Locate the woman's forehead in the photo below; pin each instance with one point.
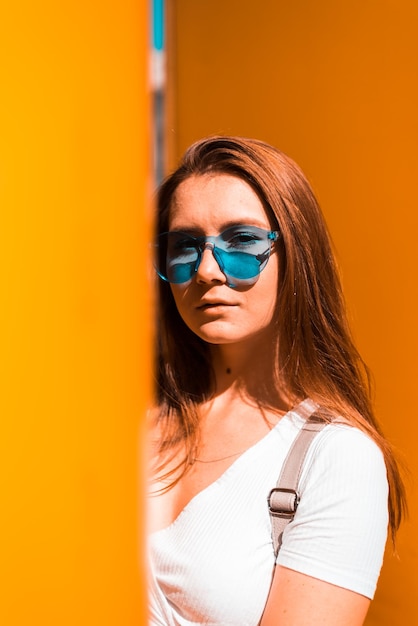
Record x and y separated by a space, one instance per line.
212 200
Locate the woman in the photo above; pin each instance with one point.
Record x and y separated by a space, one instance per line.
253 338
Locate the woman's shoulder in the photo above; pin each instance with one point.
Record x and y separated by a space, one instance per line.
340 432
340 435
346 452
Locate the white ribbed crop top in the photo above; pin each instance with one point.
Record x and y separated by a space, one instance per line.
213 564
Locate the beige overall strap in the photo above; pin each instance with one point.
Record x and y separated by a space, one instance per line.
283 500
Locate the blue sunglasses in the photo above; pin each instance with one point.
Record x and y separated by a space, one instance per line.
241 252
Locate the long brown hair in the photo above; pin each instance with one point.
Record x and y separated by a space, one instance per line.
316 356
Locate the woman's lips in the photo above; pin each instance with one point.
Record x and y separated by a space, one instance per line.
205 306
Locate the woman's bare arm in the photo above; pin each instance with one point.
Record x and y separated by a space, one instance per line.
299 600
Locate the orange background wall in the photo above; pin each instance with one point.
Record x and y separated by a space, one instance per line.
75 330
335 85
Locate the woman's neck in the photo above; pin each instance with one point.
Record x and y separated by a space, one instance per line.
248 371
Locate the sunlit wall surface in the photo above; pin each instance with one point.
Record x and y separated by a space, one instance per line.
75 330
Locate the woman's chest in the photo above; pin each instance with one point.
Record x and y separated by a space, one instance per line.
224 444
165 506
216 560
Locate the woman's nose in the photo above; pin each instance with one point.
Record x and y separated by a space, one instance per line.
208 270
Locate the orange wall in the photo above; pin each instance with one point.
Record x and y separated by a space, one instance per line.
75 310
335 85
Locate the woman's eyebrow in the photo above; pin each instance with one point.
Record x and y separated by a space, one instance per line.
246 221
198 230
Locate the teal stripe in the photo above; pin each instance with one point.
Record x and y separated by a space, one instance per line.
158 24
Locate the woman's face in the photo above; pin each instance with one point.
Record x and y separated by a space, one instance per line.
219 314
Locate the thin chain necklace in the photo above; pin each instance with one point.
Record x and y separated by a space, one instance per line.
223 458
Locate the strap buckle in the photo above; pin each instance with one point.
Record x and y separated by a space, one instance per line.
283 502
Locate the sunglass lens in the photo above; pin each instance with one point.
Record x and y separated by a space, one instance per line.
177 257
238 265
178 272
